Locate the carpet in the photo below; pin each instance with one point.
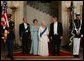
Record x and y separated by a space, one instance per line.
62 53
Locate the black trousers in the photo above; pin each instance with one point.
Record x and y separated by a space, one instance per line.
56 41
10 47
25 40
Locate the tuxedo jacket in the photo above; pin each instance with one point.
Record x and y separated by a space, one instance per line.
59 29
22 30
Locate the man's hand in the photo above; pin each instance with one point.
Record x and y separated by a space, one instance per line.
31 37
20 38
51 38
61 37
81 35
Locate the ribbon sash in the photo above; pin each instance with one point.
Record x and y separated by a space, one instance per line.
26 30
43 32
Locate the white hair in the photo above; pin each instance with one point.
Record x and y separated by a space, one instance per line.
43 22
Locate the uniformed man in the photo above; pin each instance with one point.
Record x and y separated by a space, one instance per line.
2 33
10 37
78 34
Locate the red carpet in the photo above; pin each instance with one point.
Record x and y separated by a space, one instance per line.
62 53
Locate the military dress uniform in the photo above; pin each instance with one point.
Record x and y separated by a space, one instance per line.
2 34
78 33
2 37
10 39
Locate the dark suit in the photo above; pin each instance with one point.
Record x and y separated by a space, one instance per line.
10 38
25 37
56 38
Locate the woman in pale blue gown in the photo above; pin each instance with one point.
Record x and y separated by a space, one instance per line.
34 37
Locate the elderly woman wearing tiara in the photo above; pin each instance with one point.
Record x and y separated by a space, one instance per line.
43 40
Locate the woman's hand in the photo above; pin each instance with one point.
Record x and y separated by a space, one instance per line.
20 38
61 37
31 37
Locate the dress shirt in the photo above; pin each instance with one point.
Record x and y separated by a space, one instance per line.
55 28
25 25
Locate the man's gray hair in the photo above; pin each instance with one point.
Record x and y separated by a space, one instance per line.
55 18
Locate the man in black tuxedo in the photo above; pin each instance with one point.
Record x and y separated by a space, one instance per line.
24 32
56 32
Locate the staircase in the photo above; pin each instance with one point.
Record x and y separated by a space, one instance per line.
44 7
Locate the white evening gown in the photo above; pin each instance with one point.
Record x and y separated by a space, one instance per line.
43 42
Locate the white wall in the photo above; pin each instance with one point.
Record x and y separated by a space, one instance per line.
33 13
77 5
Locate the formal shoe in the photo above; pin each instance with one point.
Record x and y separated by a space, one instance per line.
8 56
27 52
54 55
12 58
23 52
58 54
76 56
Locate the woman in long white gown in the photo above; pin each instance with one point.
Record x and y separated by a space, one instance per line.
43 40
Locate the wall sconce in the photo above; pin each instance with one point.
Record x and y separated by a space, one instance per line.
14 5
1 3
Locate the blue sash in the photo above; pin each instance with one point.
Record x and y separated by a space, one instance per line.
26 30
43 32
